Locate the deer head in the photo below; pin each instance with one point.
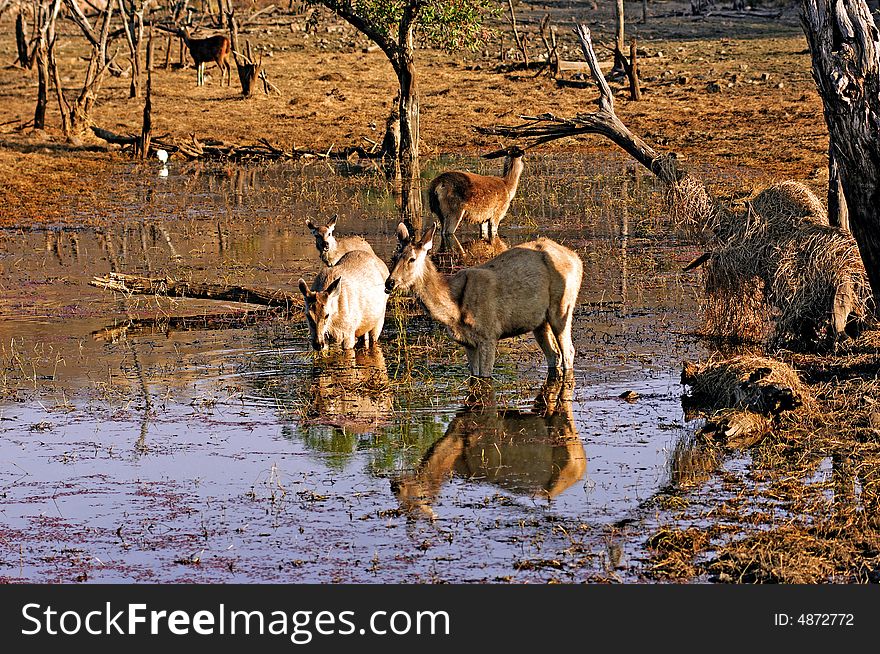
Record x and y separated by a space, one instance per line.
409 264
320 308
325 241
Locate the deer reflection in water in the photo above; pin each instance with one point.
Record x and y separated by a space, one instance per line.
533 453
350 390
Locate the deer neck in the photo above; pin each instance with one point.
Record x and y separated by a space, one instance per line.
513 168
433 291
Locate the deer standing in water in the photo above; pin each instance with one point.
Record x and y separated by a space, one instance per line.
455 195
532 287
347 301
212 48
330 248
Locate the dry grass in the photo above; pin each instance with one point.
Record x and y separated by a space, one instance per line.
778 272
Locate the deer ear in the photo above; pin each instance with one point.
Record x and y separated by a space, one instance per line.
303 288
331 224
333 287
402 233
311 226
428 239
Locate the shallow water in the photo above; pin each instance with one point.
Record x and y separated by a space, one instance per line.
158 452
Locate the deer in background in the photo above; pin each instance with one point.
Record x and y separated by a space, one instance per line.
347 301
532 287
457 196
212 48
330 248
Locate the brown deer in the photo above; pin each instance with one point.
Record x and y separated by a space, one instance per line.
331 248
347 301
212 48
533 453
532 287
481 199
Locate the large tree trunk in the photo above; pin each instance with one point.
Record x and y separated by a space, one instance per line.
411 197
410 188
845 47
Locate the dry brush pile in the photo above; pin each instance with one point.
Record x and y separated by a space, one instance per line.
776 270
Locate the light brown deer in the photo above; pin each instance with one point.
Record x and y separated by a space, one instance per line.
457 196
330 248
347 301
212 48
532 287
533 453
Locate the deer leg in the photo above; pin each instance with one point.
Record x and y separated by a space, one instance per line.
561 326
349 341
485 358
449 226
374 333
547 340
485 230
473 361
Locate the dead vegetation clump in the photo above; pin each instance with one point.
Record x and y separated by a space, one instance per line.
778 270
742 397
673 551
788 554
753 383
790 202
690 204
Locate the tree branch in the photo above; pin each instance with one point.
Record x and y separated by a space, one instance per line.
345 11
547 127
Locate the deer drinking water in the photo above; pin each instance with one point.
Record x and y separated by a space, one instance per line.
457 196
347 301
330 248
212 48
532 287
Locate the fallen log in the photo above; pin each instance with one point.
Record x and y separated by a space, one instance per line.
168 287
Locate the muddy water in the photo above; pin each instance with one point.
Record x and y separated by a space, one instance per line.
138 447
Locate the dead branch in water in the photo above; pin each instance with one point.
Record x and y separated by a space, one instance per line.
165 286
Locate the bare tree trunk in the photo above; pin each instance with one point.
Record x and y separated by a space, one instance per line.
845 47
143 146
132 25
410 188
63 105
42 85
632 71
21 41
168 46
520 40
838 215
390 152
411 197
620 41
